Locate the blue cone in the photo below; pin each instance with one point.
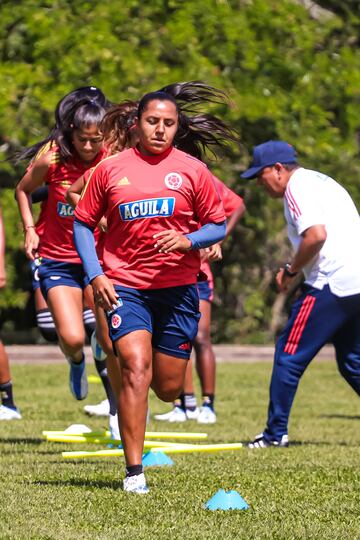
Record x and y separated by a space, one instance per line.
226 500
156 459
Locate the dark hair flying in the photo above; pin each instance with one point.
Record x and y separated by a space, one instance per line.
198 132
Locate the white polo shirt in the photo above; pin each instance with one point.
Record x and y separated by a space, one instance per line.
312 198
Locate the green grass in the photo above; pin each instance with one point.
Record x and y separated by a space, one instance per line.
310 490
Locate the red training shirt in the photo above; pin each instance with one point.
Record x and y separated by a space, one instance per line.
231 201
56 241
141 196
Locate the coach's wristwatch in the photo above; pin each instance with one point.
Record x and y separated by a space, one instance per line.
288 272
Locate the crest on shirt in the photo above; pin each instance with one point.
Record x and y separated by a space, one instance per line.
173 180
116 320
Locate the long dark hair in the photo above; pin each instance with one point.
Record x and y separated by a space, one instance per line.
191 94
198 132
79 109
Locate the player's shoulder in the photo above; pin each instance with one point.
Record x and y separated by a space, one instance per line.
48 151
189 161
45 161
105 164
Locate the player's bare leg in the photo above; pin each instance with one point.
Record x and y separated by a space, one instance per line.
66 306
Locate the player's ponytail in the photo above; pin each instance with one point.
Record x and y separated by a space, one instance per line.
118 124
191 94
199 132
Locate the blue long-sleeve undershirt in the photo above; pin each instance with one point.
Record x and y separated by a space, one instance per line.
207 235
85 245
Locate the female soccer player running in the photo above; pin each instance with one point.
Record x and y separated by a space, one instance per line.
154 197
75 145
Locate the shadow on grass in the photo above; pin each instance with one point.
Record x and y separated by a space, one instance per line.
21 446
17 440
341 416
76 482
300 443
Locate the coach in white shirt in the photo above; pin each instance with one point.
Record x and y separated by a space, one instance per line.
323 227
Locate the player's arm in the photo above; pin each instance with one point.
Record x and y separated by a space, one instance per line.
74 192
237 214
171 240
2 253
210 213
312 241
89 210
73 196
34 177
234 207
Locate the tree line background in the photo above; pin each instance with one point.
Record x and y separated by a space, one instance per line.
291 69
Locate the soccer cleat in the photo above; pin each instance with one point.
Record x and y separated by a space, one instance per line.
114 427
136 484
101 409
177 414
192 414
6 413
78 380
261 442
206 415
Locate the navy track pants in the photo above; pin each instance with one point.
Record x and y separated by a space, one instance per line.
317 317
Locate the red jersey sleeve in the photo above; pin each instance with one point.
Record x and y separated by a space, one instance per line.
231 201
93 201
208 204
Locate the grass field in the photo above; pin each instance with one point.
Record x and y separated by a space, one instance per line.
310 490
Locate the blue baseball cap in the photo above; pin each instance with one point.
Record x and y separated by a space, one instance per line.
269 153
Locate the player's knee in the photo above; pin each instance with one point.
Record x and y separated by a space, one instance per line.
202 341
167 392
136 376
71 342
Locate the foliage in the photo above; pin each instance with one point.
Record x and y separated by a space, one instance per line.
288 74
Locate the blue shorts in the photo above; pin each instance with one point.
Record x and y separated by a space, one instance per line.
55 273
34 269
206 290
171 315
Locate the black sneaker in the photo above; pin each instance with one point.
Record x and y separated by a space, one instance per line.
261 442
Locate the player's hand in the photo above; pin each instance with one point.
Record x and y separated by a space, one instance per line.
170 240
214 252
102 225
104 293
204 255
31 243
283 281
